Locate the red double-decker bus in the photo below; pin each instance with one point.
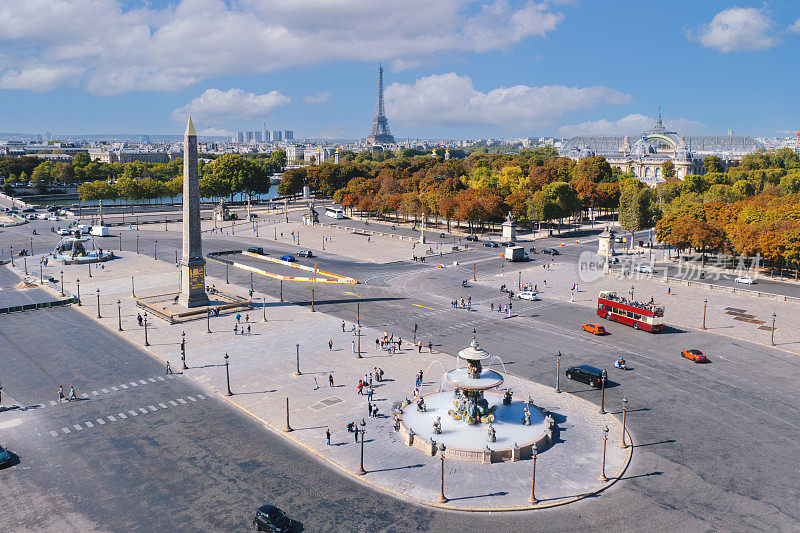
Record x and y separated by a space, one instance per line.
646 316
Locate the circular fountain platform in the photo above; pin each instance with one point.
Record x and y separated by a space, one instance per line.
469 442
487 380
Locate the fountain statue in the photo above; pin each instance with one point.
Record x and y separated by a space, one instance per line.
471 382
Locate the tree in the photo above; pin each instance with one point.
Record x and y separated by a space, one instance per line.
706 238
593 169
292 181
636 211
81 159
695 183
713 163
722 194
668 169
790 183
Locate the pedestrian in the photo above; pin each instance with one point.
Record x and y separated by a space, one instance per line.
247 316
380 371
61 393
369 408
238 317
354 330
356 434
669 290
370 393
330 344
430 347
370 379
328 436
419 346
375 411
492 306
330 380
354 346
342 326
169 368
361 387
235 329
399 341
72 394
377 343
139 319
316 385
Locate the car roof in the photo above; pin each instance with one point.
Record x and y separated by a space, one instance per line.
589 369
694 351
268 509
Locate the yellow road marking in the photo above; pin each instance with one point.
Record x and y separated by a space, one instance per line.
353 294
417 305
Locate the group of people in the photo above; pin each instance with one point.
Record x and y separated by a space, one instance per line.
465 304
388 343
69 398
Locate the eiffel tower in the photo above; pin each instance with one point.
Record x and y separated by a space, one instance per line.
380 133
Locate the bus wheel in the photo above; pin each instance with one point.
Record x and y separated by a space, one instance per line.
635 325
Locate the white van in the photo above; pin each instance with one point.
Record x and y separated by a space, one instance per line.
99 231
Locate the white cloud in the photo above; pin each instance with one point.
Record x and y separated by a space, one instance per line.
319 98
215 104
450 99
36 77
632 124
111 48
214 132
795 28
737 29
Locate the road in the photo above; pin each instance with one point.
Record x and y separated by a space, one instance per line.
715 442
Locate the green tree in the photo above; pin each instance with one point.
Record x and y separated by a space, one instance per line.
636 210
667 169
712 163
81 159
594 169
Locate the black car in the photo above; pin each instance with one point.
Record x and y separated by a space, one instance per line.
256 250
270 518
471 237
551 251
305 253
490 244
586 374
508 243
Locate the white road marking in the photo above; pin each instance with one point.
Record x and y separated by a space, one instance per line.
143 382
53 402
105 391
88 424
152 408
134 384
84 395
54 433
114 388
152 380
124 386
143 410
201 396
181 400
111 418
77 427
171 376
174 404
122 415
163 406
66 430
133 413
160 378
191 398
101 421
94 392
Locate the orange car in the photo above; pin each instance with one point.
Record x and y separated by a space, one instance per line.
695 355
597 329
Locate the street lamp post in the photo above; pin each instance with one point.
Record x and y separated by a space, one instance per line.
288 428
358 341
146 342
208 320
603 477
264 307
183 351
119 315
558 373
78 282
98 304
11 251
624 444
62 281
41 272
155 250
603 378
31 245
120 241
137 244
228 376
281 290
226 274
772 338
532 499
442 498
251 283
89 266
358 313
25 261
297 371
361 470
312 301
705 305
632 289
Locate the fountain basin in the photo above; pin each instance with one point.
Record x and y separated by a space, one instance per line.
469 442
460 377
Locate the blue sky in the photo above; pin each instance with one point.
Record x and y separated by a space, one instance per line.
453 68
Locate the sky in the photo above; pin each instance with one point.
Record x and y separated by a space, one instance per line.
452 68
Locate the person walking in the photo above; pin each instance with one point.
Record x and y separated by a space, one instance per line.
61 393
327 436
354 330
247 316
370 392
238 317
342 326
375 411
361 386
236 329
72 394
355 432
169 368
419 346
248 329
354 347
316 385
139 319
369 408
330 380
330 344
430 347
491 306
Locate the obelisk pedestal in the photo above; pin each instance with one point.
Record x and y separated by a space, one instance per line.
193 286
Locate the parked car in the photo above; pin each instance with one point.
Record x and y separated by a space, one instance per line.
5 457
63 231
472 238
551 251
695 355
490 244
270 518
619 239
305 253
644 269
288 258
597 329
256 250
747 280
528 295
586 374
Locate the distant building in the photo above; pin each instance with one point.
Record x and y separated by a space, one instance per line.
320 154
251 136
380 133
275 136
257 136
127 156
240 137
295 152
288 135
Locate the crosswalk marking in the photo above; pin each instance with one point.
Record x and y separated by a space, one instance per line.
78 427
152 380
101 421
171 376
84 395
152 408
53 402
143 382
191 398
201 396
133 413
124 386
66 430
163 406
174 404
143 410
114 388
134 384
122 415
94 392
160 378
105 391
54 433
88 424
111 418
182 401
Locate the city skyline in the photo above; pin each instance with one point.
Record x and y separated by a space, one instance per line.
500 69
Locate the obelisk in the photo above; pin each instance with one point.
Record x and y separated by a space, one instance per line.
193 286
